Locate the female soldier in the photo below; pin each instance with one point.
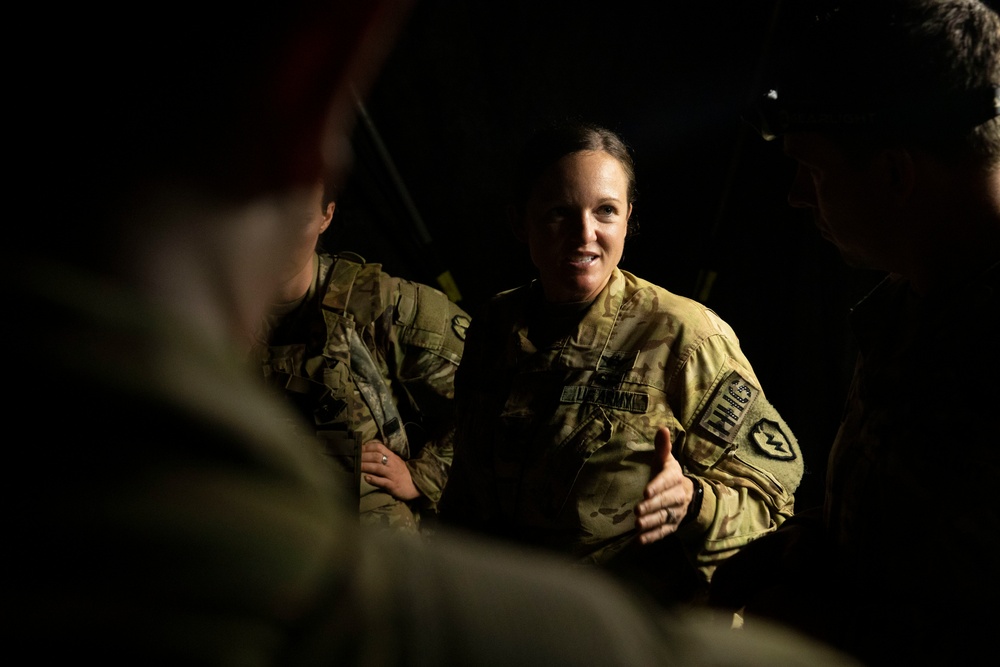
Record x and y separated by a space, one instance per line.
578 389
369 360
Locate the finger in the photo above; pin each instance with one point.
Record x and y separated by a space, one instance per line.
664 457
668 512
652 520
373 446
663 446
374 467
373 459
378 481
664 489
672 495
657 533
377 461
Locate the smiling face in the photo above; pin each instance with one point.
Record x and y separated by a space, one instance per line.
575 224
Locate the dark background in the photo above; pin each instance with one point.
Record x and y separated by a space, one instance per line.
467 81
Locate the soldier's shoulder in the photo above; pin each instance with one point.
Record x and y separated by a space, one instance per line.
683 314
356 287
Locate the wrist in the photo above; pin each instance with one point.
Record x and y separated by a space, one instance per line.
694 507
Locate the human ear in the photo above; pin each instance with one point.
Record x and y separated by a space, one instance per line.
327 216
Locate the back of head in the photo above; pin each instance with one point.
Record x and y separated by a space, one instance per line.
227 103
917 72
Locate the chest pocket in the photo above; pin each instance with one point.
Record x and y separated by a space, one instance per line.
574 479
576 469
302 381
333 370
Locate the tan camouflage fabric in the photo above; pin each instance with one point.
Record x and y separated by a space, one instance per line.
558 415
374 357
183 524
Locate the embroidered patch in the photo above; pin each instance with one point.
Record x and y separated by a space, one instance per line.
771 440
617 362
630 401
729 407
459 324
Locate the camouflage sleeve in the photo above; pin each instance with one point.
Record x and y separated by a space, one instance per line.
430 467
736 445
427 341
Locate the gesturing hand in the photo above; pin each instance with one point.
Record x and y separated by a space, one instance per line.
667 495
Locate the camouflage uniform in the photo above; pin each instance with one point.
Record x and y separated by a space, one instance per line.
367 356
900 565
165 515
910 504
557 424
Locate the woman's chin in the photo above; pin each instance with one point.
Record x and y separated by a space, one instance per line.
574 293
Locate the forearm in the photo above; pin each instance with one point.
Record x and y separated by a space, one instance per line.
732 514
429 469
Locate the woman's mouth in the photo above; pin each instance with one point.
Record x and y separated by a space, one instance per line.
582 261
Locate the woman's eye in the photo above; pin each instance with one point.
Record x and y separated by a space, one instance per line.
607 209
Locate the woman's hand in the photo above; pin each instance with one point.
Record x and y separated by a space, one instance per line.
385 469
668 495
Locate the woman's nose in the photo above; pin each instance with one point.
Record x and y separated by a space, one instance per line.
585 225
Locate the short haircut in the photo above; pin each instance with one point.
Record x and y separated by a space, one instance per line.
922 72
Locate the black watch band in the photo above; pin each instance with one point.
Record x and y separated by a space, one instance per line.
694 507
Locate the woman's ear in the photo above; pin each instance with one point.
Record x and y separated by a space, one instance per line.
327 216
515 220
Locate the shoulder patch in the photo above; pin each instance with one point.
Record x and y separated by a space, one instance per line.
771 440
729 407
460 324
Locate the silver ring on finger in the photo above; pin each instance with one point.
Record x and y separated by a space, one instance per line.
670 515
385 460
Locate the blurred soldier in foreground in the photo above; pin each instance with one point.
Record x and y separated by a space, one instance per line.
890 110
161 512
369 360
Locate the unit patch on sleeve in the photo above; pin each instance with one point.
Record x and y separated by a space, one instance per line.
729 407
771 440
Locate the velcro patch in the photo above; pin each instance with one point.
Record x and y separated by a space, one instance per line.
630 401
729 407
617 362
771 440
460 324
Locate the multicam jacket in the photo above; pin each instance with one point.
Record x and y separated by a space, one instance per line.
558 416
193 528
368 356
